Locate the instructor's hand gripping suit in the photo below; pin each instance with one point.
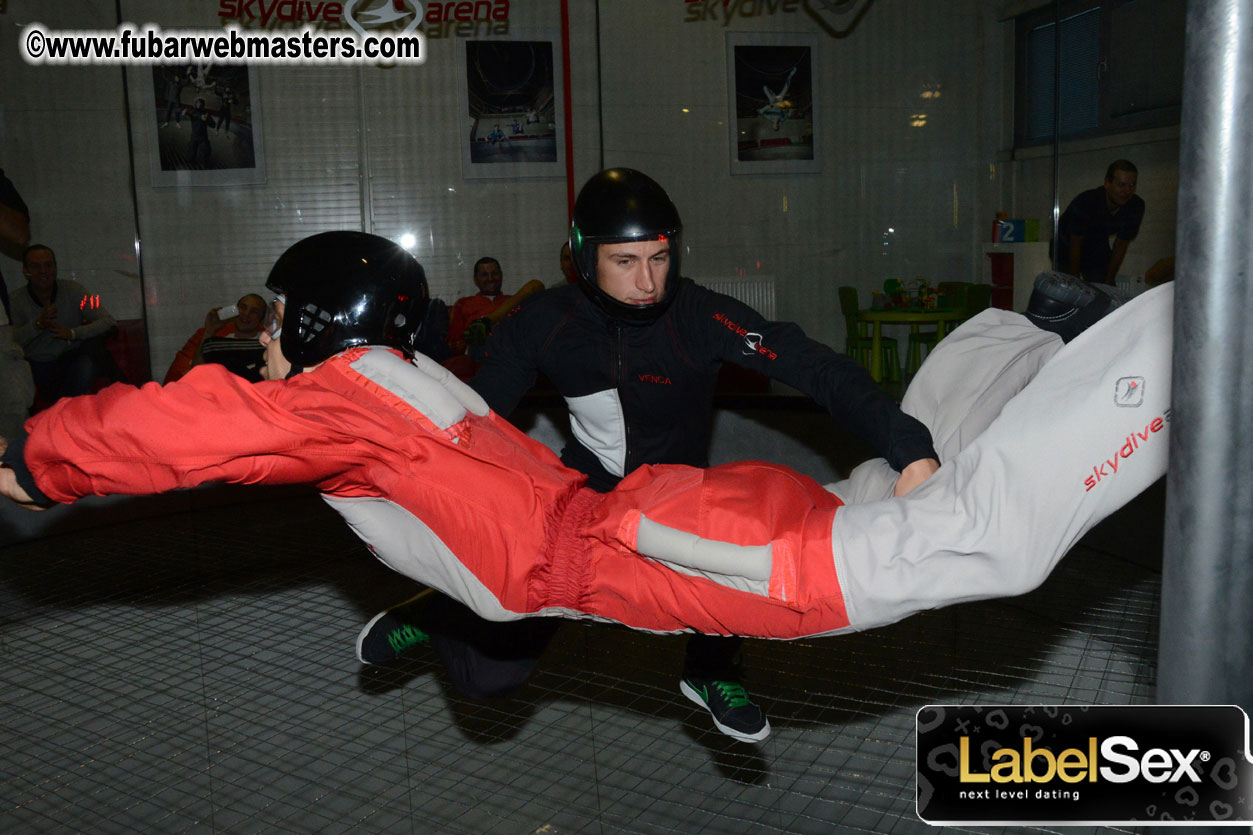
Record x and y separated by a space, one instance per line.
451 495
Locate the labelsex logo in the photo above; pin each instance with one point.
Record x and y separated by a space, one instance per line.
1073 765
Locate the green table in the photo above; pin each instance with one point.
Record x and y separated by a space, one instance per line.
913 317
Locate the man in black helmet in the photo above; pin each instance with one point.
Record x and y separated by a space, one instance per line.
635 348
404 451
343 290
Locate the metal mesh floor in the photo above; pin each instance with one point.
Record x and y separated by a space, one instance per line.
196 673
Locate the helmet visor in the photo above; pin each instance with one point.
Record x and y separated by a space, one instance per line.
272 324
585 250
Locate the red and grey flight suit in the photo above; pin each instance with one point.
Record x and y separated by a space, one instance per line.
642 393
451 495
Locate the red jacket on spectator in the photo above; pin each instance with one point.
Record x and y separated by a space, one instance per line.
465 311
182 362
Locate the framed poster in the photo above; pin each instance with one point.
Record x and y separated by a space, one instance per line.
513 104
204 127
772 89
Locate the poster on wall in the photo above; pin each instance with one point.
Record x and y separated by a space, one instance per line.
514 109
204 126
772 90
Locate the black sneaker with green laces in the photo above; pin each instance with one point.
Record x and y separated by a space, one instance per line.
394 631
732 710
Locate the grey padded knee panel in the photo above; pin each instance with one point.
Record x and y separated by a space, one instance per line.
741 567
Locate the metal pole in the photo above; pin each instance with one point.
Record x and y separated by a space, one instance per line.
138 239
600 96
365 177
567 99
1057 125
1206 655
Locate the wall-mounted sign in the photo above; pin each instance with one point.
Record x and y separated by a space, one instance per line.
461 18
836 17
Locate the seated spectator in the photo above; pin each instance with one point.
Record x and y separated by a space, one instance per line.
239 351
473 317
17 389
186 357
469 310
14 230
61 328
567 267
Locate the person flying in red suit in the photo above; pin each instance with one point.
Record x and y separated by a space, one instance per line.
1038 442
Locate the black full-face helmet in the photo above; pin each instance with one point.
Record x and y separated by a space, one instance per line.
617 205
345 289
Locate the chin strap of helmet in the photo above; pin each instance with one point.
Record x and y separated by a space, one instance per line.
295 369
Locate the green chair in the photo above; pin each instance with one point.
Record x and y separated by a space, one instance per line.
859 340
954 293
918 339
978 298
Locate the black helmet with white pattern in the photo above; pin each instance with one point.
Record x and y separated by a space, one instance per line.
620 205
345 289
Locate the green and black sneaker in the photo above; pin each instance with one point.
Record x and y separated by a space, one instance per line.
732 710
394 631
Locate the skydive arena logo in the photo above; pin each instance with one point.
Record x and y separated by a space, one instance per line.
837 17
1151 765
401 17
359 14
404 13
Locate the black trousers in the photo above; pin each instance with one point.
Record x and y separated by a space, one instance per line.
488 659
